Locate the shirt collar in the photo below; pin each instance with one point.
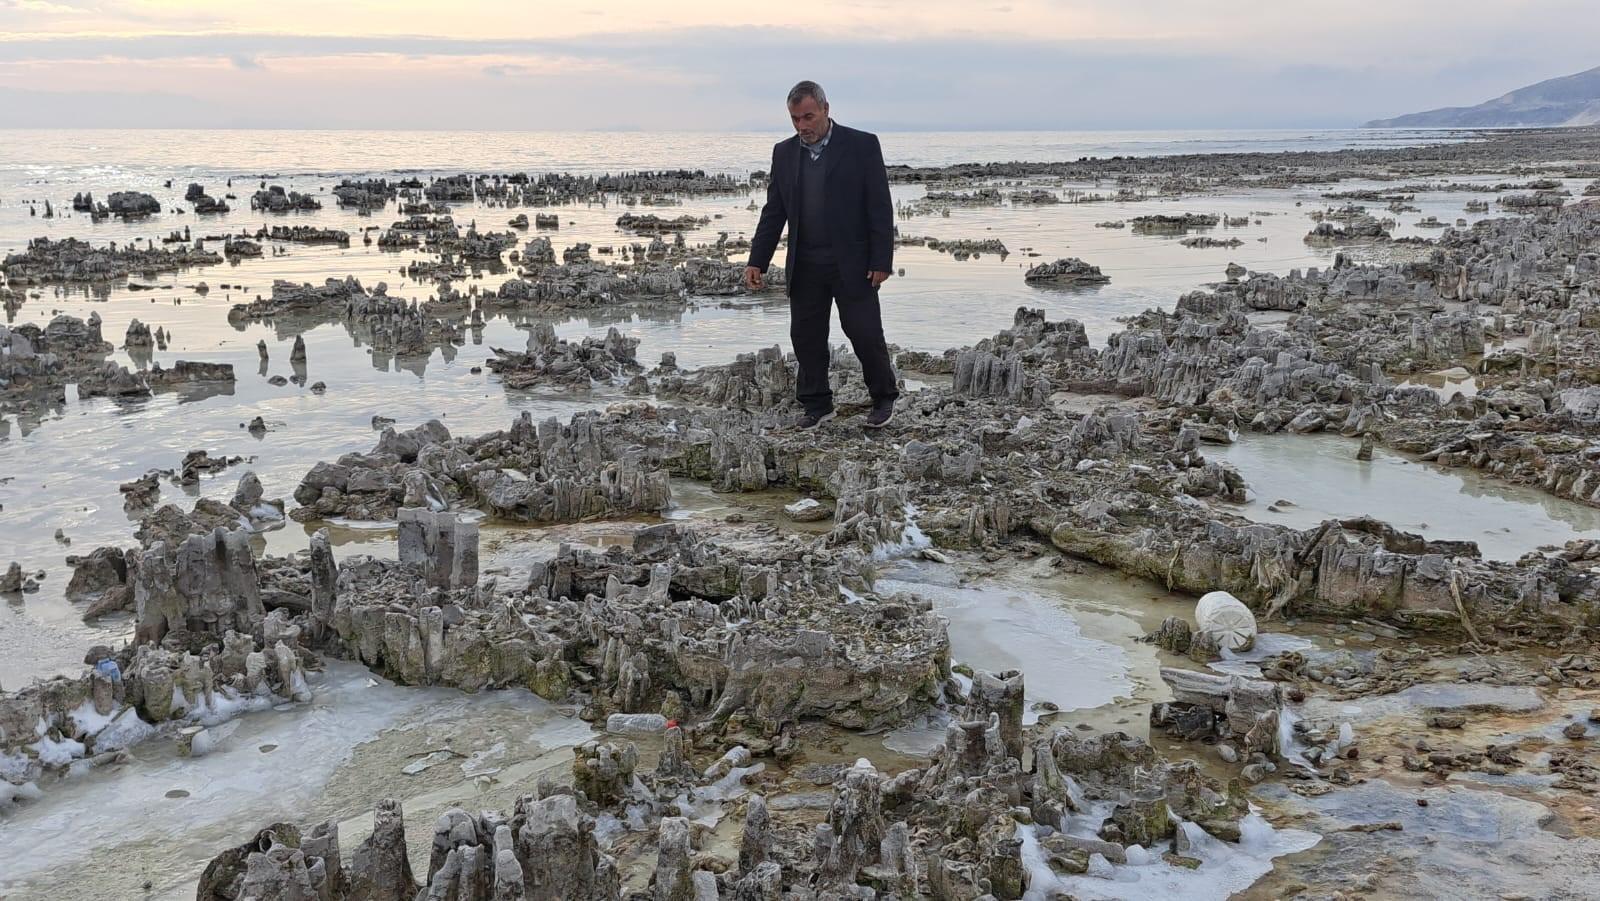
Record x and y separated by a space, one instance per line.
816 149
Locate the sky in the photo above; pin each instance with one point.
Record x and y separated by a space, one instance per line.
720 65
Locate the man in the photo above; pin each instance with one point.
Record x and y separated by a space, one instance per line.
828 184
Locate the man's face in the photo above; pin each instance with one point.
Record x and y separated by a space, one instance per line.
810 119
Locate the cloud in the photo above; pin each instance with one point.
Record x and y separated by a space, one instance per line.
733 78
111 109
40 6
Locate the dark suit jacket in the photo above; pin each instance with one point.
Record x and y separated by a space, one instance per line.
859 214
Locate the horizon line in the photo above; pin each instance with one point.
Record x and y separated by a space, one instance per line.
1153 129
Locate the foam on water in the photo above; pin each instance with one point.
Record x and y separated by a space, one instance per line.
88 721
705 805
236 787
1267 644
57 752
1290 747
912 539
1224 868
124 730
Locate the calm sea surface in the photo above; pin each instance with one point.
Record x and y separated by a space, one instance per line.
42 153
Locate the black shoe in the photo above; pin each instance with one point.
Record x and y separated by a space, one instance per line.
807 421
879 415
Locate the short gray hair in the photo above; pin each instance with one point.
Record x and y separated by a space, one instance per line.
807 89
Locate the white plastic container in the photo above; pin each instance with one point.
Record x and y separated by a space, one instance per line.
1226 617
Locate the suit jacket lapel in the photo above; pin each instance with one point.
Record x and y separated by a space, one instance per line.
831 153
794 173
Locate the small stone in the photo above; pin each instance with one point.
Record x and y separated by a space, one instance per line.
1575 730
1256 772
807 510
12 580
1227 752
1072 862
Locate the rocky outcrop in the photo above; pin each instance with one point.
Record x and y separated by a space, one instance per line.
632 626
545 473
1164 224
651 224
950 829
277 199
441 545
581 283
1070 271
207 583
37 364
129 205
555 361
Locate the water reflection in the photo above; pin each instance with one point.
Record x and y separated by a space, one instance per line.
1321 478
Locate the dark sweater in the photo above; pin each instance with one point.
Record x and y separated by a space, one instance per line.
814 246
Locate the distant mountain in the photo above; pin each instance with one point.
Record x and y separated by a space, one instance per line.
1569 100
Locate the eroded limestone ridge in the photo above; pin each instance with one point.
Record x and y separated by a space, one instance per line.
71 261
37 364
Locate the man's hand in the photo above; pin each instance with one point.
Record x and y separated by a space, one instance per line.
877 278
752 278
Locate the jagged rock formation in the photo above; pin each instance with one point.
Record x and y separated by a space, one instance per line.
579 282
276 199
303 234
961 827
70 260
759 381
390 324
651 224
1069 271
629 627
551 360
443 546
563 473
1163 224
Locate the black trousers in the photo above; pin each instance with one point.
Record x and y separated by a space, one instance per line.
813 289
